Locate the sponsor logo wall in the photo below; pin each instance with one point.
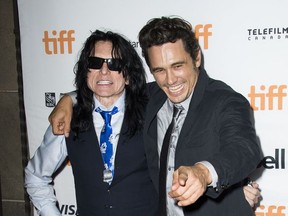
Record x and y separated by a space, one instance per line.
245 44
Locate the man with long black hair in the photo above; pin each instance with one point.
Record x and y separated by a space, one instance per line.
110 173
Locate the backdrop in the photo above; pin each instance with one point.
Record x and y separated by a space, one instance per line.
245 44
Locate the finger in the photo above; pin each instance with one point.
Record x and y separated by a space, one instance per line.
252 195
67 130
189 201
187 191
183 193
251 203
254 190
175 182
255 185
177 191
57 128
182 179
250 192
189 197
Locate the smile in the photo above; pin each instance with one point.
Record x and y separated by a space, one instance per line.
177 88
104 82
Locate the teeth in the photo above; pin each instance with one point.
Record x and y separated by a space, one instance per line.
175 88
104 82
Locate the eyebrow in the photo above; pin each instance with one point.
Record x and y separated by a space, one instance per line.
172 65
179 62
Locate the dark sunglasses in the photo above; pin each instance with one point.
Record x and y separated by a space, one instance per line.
112 63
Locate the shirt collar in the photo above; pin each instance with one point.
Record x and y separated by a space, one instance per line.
185 104
119 103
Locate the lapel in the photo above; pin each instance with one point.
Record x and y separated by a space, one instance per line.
122 137
193 111
120 147
157 99
154 105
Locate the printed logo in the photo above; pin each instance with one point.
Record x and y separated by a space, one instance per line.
202 33
270 97
50 99
277 161
262 34
54 43
270 210
68 210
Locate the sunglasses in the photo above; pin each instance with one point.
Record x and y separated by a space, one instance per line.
112 63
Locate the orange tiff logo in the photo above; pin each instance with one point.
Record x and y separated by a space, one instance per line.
267 97
55 42
202 32
270 210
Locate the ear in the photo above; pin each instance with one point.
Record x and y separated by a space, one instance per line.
198 59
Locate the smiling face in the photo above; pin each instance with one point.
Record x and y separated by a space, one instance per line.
174 70
107 85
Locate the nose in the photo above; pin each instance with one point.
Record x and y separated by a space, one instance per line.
104 69
170 77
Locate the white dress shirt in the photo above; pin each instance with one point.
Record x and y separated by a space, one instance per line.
52 153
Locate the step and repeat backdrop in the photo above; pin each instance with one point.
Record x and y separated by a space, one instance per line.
245 44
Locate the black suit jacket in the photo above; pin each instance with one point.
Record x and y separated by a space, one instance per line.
131 192
219 129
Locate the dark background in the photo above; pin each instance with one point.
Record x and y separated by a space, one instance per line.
13 138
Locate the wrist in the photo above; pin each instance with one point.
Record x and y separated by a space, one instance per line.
204 172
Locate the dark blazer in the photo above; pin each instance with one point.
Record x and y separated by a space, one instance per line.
131 192
219 129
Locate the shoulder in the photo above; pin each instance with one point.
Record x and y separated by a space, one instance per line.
152 88
218 96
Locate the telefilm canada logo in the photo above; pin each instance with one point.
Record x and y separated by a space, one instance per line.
267 34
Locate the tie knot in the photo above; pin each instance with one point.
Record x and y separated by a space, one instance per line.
177 109
106 115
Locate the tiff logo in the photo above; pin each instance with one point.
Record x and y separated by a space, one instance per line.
55 43
271 211
267 96
202 31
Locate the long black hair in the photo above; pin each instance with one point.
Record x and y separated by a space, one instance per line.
133 71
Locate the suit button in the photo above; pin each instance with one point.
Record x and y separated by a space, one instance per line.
109 206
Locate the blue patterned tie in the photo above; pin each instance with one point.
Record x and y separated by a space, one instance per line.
106 146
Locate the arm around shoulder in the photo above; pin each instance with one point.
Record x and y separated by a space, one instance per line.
60 117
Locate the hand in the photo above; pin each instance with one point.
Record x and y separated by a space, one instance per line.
189 183
252 194
60 117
